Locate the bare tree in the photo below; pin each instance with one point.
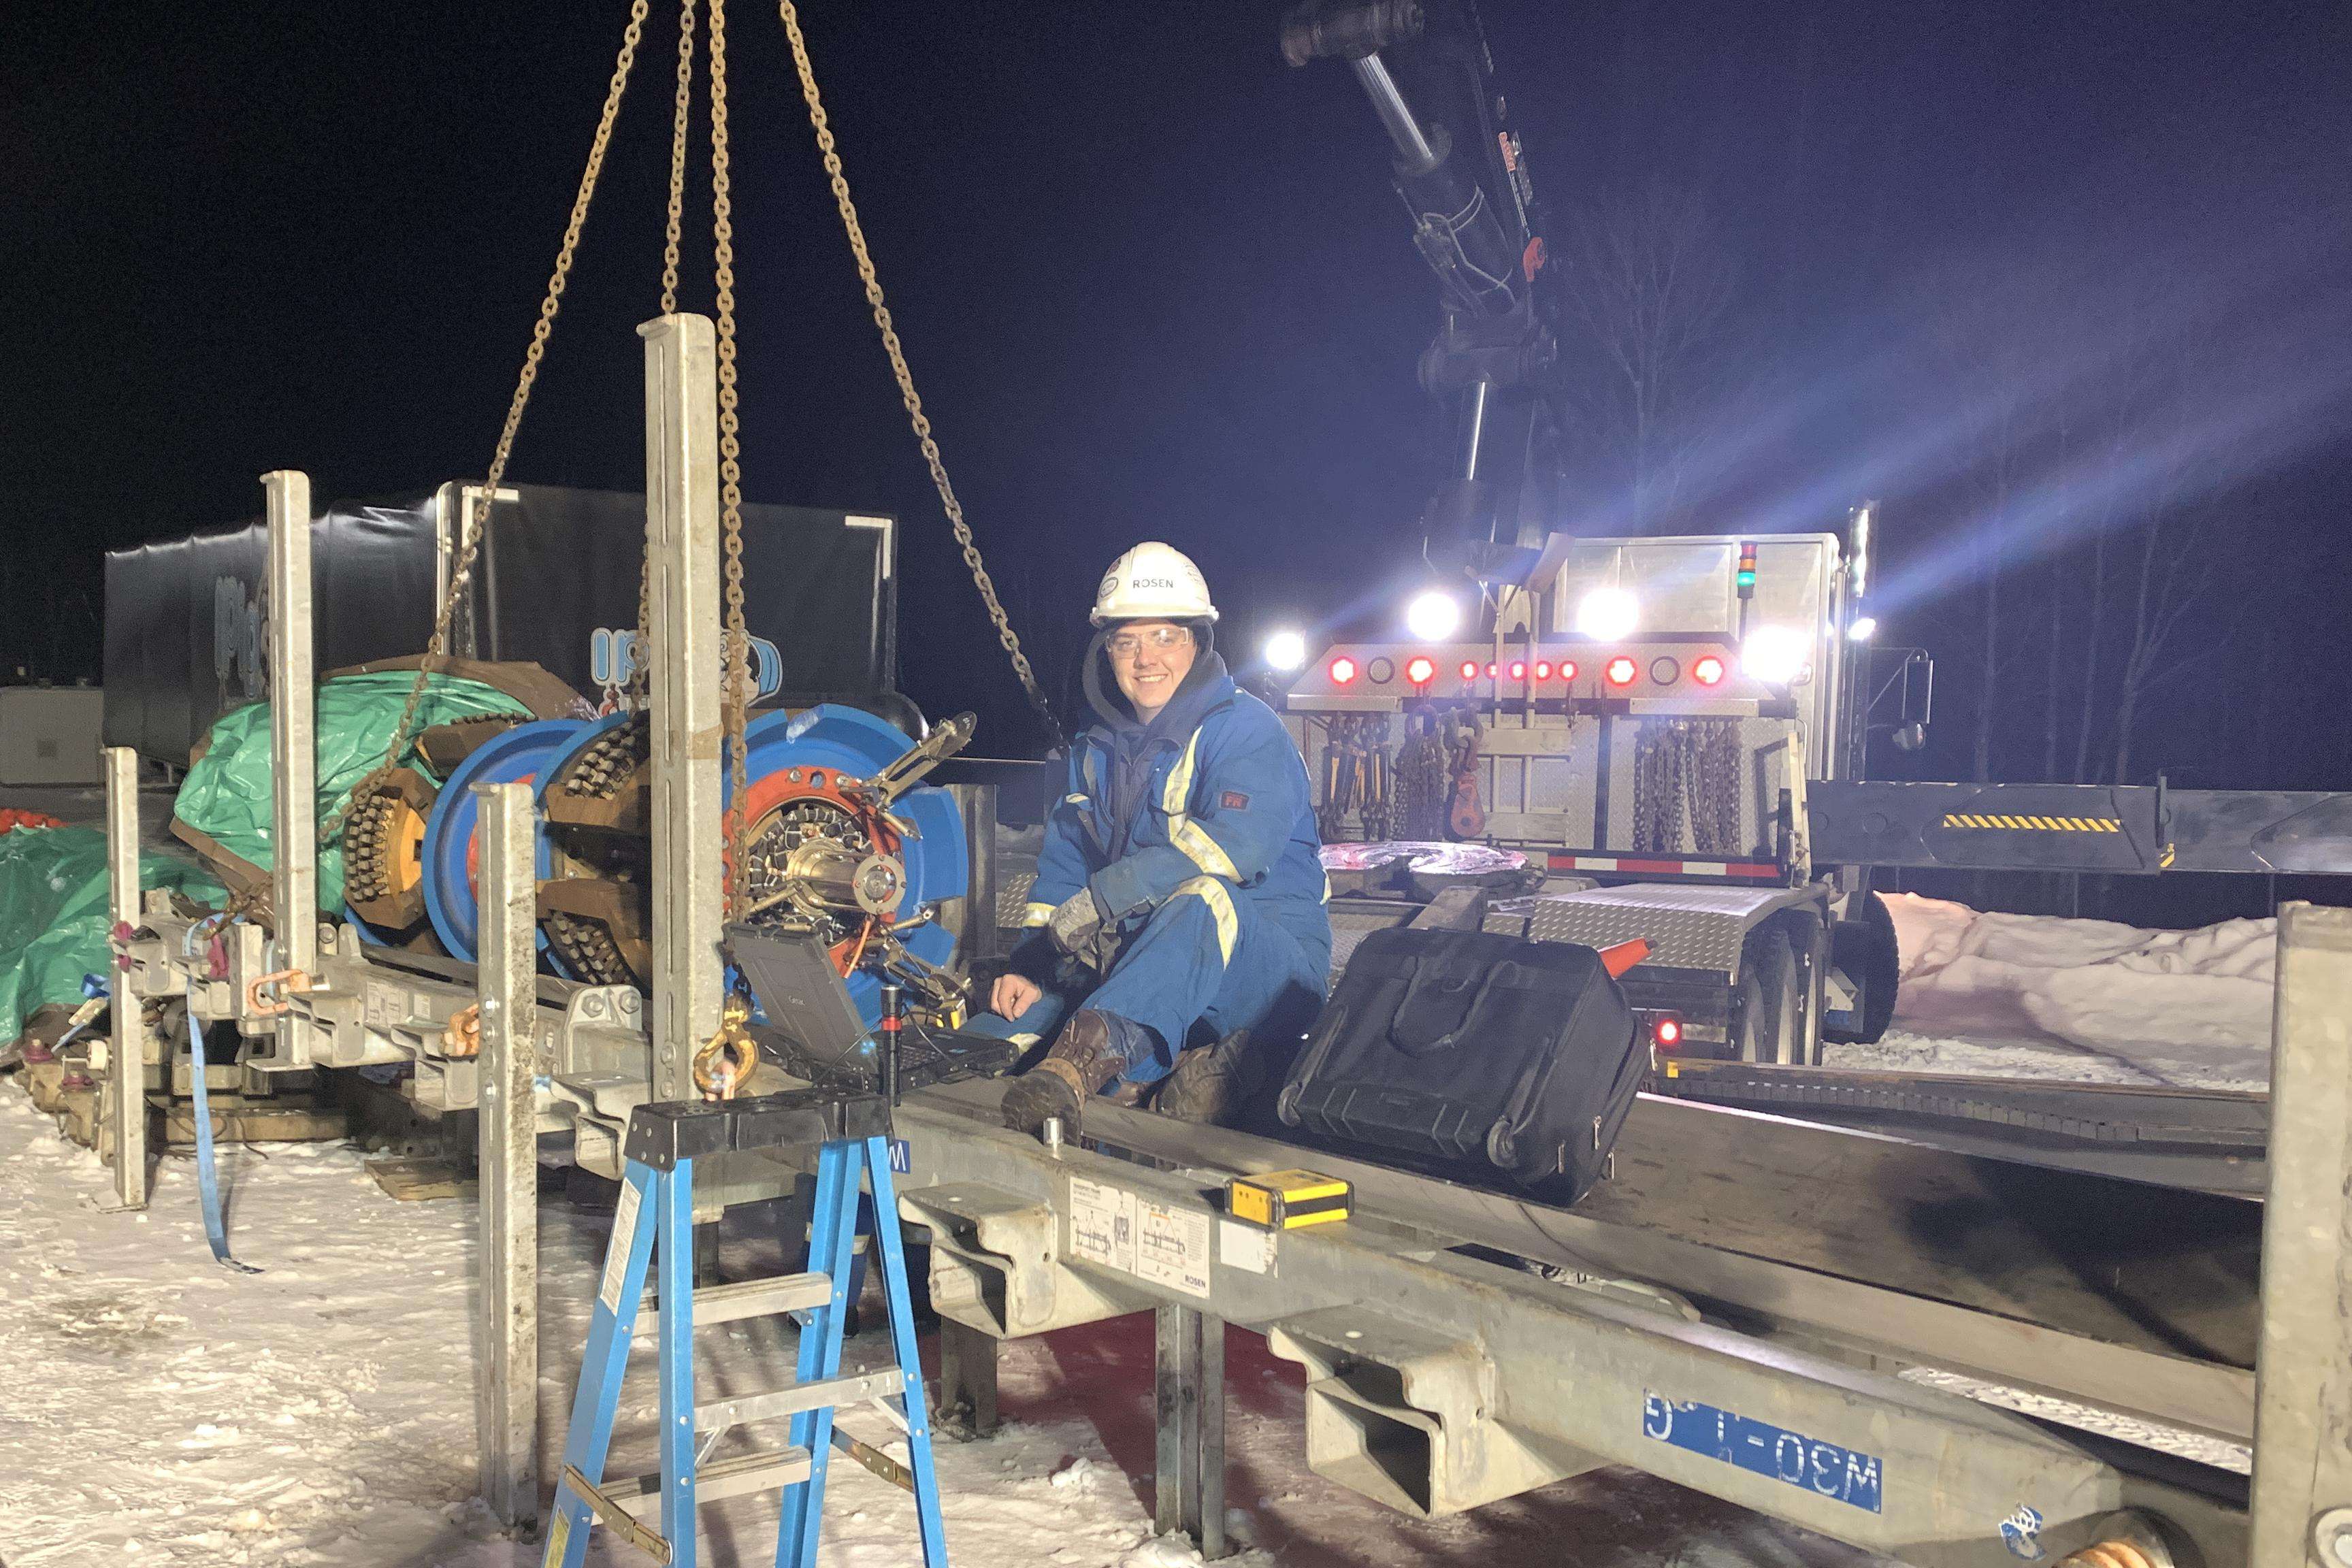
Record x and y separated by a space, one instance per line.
1649 286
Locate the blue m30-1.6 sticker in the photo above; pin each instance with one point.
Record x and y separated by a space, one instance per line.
1844 1474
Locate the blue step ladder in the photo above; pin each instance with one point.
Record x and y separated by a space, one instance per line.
853 1148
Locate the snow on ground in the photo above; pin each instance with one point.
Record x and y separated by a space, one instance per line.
2091 1000
160 1410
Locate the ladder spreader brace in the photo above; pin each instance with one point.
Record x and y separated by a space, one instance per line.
852 1133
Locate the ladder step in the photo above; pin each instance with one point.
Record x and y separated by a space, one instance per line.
747 1299
756 1472
855 1389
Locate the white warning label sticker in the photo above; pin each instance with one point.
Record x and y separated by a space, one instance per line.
1102 1225
617 1256
1171 1248
1246 1247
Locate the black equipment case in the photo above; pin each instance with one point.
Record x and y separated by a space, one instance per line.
1470 1045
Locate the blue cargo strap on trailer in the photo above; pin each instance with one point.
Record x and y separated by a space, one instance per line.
207 1179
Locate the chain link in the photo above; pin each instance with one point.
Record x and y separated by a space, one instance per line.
737 699
477 512
680 122
906 377
681 119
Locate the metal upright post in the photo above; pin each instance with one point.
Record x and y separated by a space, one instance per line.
682 545
2303 1401
1190 1389
967 1382
293 754
126 1072
506 1403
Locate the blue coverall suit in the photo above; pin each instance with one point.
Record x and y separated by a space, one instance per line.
1197 834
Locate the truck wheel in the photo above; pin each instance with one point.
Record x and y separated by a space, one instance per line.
1864 950
1771 1000
1811 944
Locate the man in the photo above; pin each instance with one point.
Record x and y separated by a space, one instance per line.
1179 890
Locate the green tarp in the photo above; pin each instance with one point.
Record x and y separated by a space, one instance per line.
53 914
227 792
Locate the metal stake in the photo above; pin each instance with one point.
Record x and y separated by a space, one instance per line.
2303 1393
293 754
506 1406
126 1076
967 1381
682 544
1190 1389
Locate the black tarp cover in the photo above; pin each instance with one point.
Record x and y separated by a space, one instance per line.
187 620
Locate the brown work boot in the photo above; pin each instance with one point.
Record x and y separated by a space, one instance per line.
1212 1084
1085 1057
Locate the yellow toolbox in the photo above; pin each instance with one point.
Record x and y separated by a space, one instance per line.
1286 1200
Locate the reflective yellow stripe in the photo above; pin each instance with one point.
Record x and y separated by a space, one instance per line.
1213 893
1183 831
1023 1040
1036 914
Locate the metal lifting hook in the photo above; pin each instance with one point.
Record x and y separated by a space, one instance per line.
727 1058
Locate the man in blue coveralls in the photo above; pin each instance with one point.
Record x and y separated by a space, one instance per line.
1180 891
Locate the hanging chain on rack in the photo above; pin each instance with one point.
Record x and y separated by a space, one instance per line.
477 513
906 377
681 119
738 698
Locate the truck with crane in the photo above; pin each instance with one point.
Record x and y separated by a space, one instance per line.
1667 737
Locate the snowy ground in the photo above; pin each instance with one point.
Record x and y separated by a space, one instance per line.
2090 1001
161 1410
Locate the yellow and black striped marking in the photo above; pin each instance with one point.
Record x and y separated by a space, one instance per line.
2037 824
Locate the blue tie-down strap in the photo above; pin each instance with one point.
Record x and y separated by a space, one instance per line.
207 1179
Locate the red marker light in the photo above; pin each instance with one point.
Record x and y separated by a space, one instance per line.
1469 669
1342 671
1707 671
1543 669
1667 1031
1519 669
1568 669
1420 670
1621 670
1490 669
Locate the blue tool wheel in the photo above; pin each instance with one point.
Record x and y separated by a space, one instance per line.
854 741
518 756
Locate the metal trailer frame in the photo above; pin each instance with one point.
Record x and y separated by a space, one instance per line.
1440 1374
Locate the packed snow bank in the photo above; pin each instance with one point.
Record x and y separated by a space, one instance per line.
2191 1007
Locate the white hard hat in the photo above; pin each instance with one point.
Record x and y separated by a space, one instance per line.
1153 582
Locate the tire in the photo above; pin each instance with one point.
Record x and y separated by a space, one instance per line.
1809 941
1770 1001
1863 949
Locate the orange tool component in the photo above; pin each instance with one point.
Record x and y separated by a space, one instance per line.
1617 960
294 983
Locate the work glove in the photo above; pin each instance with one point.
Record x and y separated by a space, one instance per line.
1076 923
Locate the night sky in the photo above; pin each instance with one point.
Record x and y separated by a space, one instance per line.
1155 284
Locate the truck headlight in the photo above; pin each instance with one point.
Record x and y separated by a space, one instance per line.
1286 651
1434 617
1607 614
1775 655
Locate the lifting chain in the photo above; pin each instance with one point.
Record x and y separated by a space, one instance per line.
1715 792
1686 772
1425 778
738 697
477 512
906 377
681 119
